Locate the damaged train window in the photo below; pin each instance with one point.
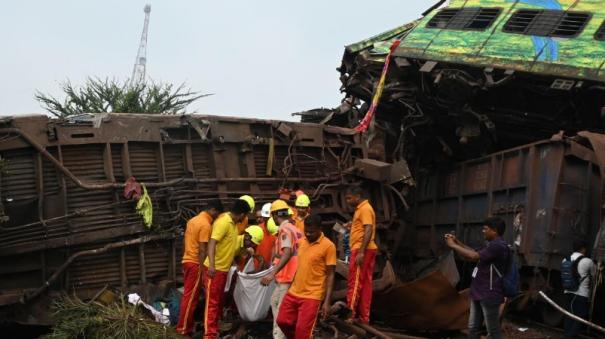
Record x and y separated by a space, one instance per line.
474 18
551 23
600 35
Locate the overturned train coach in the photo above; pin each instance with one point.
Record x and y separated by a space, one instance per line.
68 227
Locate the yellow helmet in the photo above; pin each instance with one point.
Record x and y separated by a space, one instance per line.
248 199
256 233
278 205
272 226
290 211
303 201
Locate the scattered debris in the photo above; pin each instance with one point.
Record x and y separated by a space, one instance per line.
78 319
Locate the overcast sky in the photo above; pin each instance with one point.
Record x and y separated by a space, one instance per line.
262 58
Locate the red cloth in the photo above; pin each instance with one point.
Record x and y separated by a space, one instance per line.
359 293
192 277
297 316
367 119
215 297
132 189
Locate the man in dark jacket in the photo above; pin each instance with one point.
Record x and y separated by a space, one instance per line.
486 285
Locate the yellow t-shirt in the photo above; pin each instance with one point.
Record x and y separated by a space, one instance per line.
224 232
313 261
364 215
241 226
198 230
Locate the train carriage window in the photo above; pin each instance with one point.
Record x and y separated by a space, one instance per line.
600 35
550 23
473 18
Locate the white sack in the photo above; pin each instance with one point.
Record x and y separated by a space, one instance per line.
253 299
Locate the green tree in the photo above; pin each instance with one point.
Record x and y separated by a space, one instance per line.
106 96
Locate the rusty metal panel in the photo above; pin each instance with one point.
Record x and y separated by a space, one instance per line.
373 169
553 184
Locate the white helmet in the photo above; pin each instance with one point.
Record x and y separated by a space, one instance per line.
265 212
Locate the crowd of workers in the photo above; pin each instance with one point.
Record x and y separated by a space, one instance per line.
290 240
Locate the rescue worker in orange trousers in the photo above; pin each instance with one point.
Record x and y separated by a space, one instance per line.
286 258
197 235
222 248
313 283
363 255
302 207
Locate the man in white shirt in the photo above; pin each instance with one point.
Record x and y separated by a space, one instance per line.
578 301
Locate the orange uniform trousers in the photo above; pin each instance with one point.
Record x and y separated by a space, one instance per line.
296 317
215 297
359 293
192 278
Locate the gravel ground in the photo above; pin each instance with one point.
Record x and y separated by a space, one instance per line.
512 330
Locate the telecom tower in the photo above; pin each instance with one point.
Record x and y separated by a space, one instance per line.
138 72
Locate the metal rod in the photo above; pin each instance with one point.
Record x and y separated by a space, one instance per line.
372 330
349 328
76 255
570 315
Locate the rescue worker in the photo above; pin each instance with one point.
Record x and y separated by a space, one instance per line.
286 259
197 235
302 207
221 252
241 226
265 248
486 287
285 195
363 255
248 242
313 283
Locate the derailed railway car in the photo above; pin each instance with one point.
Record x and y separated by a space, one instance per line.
549 193
471 88
68 227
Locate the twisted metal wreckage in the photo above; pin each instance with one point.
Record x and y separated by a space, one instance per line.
444 147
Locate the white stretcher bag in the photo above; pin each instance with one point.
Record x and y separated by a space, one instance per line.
253 299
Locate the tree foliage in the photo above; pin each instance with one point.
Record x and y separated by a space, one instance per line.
106 96
75 318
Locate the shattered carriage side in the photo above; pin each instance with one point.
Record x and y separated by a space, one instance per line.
67 226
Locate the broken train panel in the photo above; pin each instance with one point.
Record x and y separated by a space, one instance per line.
474 77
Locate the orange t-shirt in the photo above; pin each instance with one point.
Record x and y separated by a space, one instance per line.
314 259
198 230
300 224
364 215
265 248
287 237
